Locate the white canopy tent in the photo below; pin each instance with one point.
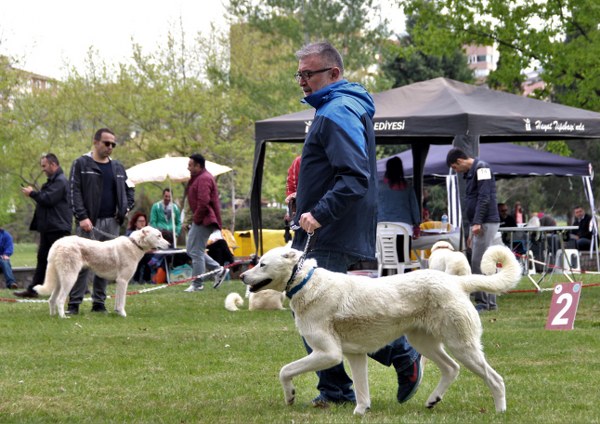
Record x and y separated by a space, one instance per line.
171 169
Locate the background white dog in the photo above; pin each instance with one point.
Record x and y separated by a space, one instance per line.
341 314
267 300
114 259
444 258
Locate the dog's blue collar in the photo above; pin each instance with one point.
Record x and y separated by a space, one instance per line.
296 289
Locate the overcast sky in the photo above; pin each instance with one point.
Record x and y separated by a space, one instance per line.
44 35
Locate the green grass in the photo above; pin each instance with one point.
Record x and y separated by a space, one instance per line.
182 358
25 254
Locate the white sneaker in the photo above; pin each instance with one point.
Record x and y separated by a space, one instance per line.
220 277
194 288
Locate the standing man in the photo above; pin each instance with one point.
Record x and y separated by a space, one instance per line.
203 198
337 198
482 214
161 215
101 198
53 217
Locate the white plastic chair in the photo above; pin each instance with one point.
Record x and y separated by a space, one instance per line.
387 252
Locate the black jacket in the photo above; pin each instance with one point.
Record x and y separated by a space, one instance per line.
86 189
481 194
52 211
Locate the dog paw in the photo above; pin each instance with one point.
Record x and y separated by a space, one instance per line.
290 397
431 403
359 410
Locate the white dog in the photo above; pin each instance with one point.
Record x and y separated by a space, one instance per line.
444 258
114 259
340 314
266 300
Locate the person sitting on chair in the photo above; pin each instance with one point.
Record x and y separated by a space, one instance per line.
583 235
506 220
398 202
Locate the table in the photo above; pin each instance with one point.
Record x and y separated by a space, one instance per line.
428 238
168 254
526 231
431 236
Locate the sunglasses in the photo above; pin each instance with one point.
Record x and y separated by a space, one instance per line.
109 144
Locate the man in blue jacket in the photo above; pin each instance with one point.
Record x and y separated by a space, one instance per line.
337 198
6 250
53 217
482 213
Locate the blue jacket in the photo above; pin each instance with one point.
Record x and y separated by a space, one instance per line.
398 205
482 206
6 243
338 171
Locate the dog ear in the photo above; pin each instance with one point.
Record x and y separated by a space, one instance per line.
291 254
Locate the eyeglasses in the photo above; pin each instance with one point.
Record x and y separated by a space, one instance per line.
109 144
306 75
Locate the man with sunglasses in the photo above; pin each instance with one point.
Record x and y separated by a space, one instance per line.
100 198
336 199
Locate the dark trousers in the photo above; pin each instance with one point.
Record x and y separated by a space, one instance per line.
46 242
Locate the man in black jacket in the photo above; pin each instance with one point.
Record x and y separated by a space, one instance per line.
583 235
53 217
100 198
482 213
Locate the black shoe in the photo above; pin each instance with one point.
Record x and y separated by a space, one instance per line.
12 286
409 380
72 310
99 307
27 293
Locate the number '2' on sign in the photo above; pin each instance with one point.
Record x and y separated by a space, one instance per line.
563 308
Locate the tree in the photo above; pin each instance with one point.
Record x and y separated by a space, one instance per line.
263 43
405 63
560 38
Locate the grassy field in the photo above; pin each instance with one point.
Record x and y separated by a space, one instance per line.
182 358
24 255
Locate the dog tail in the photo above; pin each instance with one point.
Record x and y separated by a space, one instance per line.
233 301
496 280
49 281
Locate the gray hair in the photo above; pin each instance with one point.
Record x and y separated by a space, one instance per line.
325 51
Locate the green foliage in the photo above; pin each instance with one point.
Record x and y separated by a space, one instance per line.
405 63
348 25
182 358
561 39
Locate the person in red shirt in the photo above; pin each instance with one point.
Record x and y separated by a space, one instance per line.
290 192
203 198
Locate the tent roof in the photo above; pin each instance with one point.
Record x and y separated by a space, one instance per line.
505 159
437 110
